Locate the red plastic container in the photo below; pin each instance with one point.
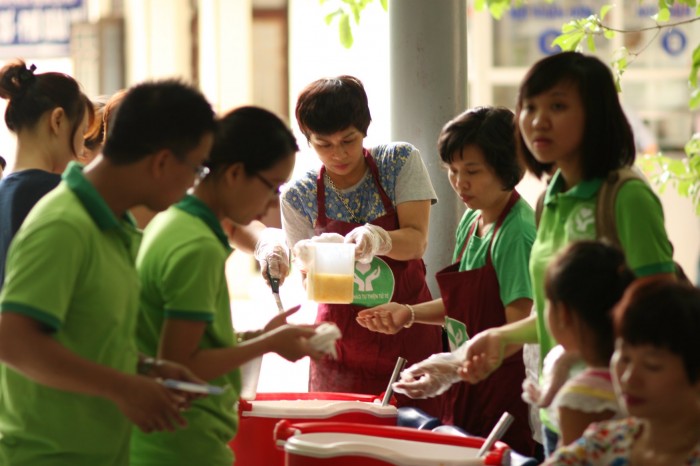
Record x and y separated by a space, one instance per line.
345 444
254 445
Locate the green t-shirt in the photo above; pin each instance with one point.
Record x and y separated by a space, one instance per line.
71 267
510 253
570 216
182 269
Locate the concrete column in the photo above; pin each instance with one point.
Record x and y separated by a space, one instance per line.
158 39
429 87
225 52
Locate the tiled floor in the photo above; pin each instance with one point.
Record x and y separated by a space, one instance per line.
252 305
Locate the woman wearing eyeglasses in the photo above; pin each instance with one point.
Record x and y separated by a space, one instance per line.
185 306
378 198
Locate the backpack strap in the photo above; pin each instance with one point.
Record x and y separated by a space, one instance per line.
539 206
605 221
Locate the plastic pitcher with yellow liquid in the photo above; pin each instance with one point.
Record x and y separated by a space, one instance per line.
331 274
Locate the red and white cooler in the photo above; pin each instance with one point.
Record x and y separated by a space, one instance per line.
254 445
344 444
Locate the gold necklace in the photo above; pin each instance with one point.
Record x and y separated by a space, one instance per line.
345 202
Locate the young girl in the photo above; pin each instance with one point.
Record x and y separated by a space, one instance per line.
49 114
569 116
582 285
656 370
488 285
185 306
379 199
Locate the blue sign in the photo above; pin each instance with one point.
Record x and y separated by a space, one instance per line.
674 42
38 28
545 41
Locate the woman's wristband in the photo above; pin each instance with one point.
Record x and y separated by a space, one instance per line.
413 316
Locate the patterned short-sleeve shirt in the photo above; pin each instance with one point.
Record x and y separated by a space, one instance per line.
402 174
607 443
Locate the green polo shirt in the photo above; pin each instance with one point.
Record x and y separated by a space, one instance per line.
510 252
569 216
182 269
71 267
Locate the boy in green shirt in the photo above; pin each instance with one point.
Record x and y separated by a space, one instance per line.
69 305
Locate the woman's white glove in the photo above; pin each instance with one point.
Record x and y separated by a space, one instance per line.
272 254
556 370
302 250
430 377
370 240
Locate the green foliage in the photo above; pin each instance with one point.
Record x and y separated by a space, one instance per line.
682 174
341 11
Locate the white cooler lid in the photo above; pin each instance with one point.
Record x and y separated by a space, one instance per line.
393 451
315 409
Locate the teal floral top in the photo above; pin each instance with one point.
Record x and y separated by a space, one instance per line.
607 443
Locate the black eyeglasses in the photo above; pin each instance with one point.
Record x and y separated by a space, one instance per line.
276 190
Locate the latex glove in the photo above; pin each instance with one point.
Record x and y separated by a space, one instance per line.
302 250
556 368
272 254
370 240
430 377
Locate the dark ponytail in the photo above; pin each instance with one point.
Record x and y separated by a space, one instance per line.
31 95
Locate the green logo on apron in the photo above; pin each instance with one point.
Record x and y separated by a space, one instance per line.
374 283
456 333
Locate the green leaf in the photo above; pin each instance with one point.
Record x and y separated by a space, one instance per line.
692 149
568 42
479 5
604 11
498 8
676 167
345 32
384 4
356 13
608 34
329 17
695 67
683 187
664 13
694 101
591 43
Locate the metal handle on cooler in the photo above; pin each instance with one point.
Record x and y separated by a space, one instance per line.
400 363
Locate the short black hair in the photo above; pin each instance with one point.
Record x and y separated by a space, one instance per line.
252 136
329 105
156 115
663 314
3 162
590 277
491 130
608 141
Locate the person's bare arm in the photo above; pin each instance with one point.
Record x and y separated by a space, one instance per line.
27 347
390 318
411 239
518 310
180 341
243 237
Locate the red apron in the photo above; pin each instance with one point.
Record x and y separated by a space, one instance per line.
366 359
473 298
